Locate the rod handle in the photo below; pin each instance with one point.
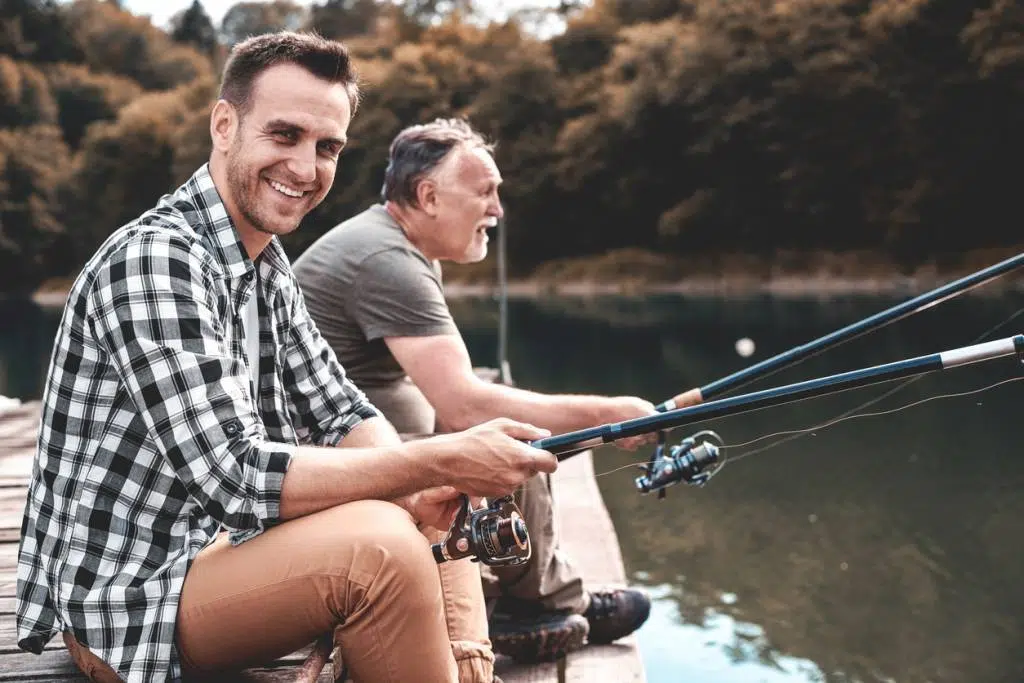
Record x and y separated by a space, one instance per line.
684 400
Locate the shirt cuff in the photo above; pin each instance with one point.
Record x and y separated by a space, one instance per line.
272 460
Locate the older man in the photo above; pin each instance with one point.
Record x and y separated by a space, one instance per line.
373 286
189 393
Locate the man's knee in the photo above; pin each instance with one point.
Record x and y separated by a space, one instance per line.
384 545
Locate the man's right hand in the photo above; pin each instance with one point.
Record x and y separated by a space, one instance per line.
494 458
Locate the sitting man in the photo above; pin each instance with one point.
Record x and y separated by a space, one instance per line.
188 513
373 287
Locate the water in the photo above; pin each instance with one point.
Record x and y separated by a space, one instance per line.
879 549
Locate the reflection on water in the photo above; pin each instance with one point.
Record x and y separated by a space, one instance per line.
878 549
716 650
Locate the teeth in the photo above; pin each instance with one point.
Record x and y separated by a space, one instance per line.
491 222
284 189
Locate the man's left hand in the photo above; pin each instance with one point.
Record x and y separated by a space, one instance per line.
622 408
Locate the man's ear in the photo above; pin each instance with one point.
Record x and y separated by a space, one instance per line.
426 197
223 125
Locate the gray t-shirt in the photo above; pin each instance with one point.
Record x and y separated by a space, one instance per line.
364 281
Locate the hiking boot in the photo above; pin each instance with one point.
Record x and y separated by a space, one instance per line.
613 614
537 638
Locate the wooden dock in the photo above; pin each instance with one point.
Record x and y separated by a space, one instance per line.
587 532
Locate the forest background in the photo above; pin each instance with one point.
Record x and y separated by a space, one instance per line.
650 140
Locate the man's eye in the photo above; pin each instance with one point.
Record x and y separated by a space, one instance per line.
288 135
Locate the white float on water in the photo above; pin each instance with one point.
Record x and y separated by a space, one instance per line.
745 347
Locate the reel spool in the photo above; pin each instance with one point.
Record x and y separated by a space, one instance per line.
495 535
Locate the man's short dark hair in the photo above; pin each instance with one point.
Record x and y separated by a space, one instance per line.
326 59
418 150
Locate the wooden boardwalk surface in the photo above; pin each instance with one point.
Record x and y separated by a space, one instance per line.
587 532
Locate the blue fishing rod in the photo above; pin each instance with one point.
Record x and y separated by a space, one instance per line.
692 462
833 339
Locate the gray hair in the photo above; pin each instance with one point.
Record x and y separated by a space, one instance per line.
418 150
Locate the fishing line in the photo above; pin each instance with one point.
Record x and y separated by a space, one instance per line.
796 434
834 421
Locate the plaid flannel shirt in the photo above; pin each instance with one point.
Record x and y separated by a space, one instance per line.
151 440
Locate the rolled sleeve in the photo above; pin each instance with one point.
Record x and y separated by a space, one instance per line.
156 308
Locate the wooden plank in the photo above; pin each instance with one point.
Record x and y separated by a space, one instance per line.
588 536
57 665
52 665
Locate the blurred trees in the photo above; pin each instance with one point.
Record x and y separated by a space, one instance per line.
251 18
679 126
194 27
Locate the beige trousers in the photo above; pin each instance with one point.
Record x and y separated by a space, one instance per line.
362 571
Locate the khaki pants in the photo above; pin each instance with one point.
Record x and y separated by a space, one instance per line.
362 570
548 580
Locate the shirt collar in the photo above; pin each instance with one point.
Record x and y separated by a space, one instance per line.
203 208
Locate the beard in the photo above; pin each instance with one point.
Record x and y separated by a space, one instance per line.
244 183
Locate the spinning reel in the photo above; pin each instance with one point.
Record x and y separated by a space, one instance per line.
494 535
694 460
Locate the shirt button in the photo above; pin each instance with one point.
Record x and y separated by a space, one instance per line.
231 428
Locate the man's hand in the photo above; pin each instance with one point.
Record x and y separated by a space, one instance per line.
622 408
434 507
493 458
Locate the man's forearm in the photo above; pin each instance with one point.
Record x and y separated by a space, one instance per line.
372 463
559 413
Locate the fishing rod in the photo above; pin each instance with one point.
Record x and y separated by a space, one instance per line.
812 348
852 331
695 463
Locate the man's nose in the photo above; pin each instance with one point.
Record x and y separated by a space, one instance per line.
302 163
497 210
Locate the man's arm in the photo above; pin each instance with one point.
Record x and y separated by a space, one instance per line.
441 367
492 459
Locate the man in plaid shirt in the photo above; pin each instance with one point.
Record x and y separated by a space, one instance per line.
190 394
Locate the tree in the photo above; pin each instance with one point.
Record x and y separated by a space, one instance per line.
194 27
118 42
340 19
246 19
25 96
36 30
32 160
84 97
122 169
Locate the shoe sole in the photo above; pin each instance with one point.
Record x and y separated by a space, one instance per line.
543 645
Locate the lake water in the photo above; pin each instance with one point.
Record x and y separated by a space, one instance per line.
882 548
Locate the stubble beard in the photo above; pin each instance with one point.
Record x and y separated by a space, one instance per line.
245 186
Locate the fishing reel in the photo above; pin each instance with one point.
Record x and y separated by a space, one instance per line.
494 535
694 460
